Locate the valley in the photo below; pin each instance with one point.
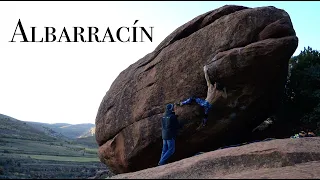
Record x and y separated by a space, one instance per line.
28 152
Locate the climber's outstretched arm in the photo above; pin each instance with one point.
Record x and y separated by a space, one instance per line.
205 69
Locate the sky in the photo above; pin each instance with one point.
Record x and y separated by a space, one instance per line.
66 82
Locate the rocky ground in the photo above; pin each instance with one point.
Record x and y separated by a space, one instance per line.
279 158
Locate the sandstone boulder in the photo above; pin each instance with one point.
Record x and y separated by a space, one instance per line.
246 49
280 158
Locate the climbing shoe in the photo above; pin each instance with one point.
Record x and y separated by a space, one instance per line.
311 134
302 134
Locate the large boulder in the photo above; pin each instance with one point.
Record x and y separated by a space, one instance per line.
280 158
246 49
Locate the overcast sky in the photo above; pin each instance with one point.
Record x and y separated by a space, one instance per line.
65 82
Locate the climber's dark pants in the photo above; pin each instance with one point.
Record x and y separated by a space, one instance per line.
202 102
168 149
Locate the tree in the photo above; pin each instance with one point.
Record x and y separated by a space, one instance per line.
302 104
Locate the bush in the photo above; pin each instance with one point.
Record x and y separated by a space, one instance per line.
1 170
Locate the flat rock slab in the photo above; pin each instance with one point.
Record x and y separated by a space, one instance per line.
309 170
280 158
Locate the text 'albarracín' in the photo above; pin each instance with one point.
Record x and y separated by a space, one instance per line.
80 34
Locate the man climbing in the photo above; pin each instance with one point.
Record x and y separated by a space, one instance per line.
213 94
170 126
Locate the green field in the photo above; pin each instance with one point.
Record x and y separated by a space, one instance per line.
53 158
60 158
53 148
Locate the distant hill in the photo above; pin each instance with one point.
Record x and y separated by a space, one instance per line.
89 133
13 128
47 130
71 131
89 141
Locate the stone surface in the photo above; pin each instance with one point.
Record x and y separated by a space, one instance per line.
280 158
246 49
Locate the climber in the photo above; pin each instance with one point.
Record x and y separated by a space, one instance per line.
213 94
170 126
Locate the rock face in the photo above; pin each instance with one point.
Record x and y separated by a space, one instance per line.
246 49
280 158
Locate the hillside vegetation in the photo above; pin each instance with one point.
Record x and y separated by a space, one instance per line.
12 128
